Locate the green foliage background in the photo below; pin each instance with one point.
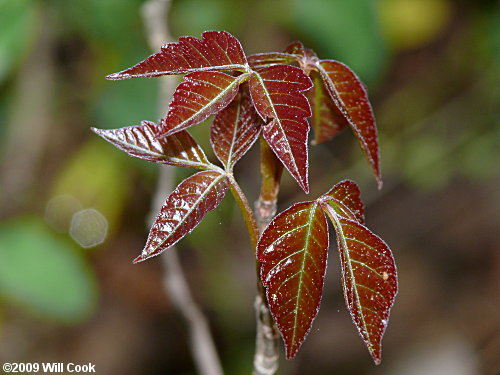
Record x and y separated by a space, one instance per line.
432 70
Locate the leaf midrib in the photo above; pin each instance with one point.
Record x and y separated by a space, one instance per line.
215 99
343 108
277 119
194 206
234 138
305 254
340 235
162 156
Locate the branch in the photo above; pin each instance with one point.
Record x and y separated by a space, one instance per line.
266 342
270 169
202 345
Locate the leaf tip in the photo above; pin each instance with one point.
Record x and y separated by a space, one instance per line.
291 352
303 182
380 183
376 355
113 76
139 259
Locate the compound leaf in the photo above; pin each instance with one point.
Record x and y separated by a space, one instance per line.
351 98
369 279
276 92
183 210
217 50
235 129
326 120
199 96
293 253
345 199
142 142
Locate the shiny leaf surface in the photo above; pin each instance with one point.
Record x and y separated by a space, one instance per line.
217 50
142 142
326 119
369 279
199 96
293 254
345 199
351 98
183 210
235 129
276 92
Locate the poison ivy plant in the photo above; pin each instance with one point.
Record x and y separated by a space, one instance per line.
293 253
271 96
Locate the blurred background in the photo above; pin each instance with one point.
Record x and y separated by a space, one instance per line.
74 210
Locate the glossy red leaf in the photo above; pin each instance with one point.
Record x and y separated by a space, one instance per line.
235 129
345 199
293 254
369 279
200 95
141 142
217 50
264 60
276 92
351 98
183 210
326 119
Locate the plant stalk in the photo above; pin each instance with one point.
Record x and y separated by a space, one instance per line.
248 216
271 170
267 338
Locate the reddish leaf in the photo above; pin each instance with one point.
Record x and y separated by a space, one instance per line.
369 279
235 130
217 50
199 96
276 94
293 254
183 210
326 120
351 99
141 142
264 60
295 48
345 199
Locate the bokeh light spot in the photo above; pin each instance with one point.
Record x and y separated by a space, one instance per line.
89 228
